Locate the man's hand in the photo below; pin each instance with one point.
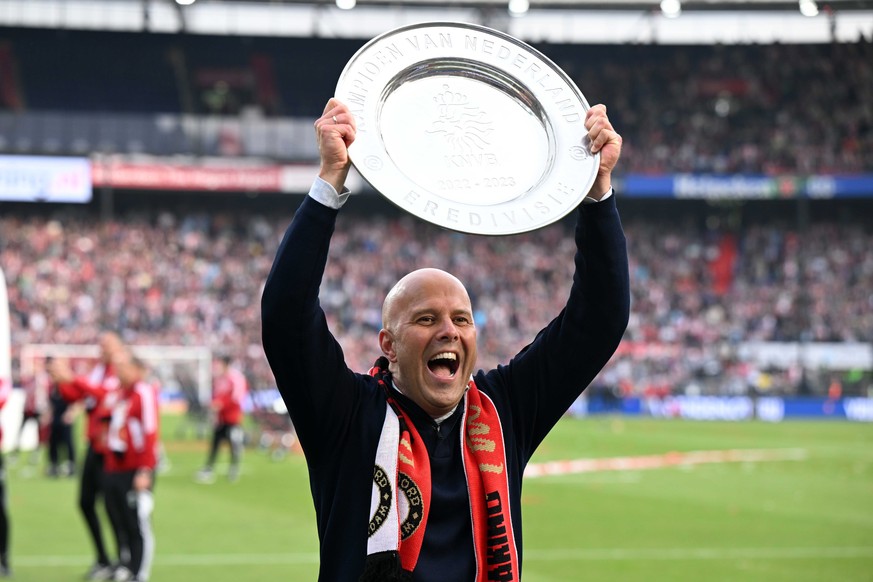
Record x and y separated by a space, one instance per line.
605 140
334 133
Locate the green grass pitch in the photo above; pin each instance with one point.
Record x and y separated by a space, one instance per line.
808 518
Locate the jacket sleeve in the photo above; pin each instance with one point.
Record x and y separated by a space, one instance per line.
80 388
307 361
544 379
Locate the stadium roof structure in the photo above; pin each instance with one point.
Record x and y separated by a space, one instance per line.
621 5
568 21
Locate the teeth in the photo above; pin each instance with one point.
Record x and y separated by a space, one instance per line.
445 356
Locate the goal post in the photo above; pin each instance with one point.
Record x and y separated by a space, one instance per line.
184 373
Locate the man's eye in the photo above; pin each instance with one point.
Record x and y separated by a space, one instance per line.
426 319
462 321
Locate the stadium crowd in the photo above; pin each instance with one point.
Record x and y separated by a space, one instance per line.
195 279
775 109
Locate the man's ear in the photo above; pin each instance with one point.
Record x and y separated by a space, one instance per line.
386 343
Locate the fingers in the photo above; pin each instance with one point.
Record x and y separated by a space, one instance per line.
332 103
337 118
605 141
600 130
335 131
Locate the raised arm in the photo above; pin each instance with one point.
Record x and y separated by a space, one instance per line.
306 360
545 378
73 388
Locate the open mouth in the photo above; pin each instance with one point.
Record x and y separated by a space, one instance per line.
444 365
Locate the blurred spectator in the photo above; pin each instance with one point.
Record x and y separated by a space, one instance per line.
61 447
94 393
229 391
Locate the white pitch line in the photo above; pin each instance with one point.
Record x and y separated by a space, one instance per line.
542 555
660 461
181 560
618 554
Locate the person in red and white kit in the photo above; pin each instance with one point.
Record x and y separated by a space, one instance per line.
35 411
133 441
92 390
5 391
229 390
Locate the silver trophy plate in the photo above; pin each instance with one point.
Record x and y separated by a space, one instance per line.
468 128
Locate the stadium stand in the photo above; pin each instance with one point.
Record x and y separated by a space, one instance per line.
761 109
187 269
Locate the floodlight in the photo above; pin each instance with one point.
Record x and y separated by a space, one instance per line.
518 7
808 7
671 8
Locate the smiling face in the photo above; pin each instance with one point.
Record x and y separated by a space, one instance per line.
429 339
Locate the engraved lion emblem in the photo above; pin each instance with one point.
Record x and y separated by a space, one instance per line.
465 126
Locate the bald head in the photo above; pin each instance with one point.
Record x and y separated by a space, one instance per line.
414 285
429 339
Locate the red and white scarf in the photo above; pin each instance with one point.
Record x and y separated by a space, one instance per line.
400 505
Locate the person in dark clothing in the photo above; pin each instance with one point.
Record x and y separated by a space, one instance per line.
416 467
61 435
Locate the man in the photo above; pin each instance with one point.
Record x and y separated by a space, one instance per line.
416 468
61 443
132 443
229 390
92 390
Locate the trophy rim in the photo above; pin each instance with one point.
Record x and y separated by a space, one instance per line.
562 180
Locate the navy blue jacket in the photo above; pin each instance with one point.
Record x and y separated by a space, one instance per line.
338 413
